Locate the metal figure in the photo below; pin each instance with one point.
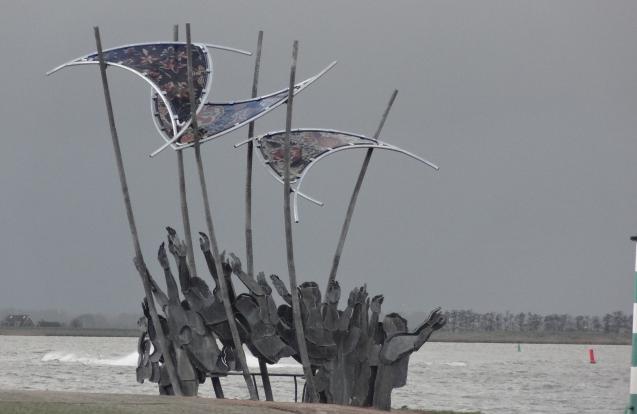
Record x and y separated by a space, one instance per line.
393 356
259 313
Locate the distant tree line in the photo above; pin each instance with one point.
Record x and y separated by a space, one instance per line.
469 321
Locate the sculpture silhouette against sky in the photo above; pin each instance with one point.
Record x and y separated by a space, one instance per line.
191 332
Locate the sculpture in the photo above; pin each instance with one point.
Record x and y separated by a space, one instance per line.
357 360
348 356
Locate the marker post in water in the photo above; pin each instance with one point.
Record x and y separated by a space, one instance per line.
632 404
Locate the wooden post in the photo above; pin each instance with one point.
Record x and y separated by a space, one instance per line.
263 367
296 308
357 188
211 231
250 153
139 259
185 216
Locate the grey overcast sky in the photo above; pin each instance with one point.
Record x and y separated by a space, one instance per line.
529 108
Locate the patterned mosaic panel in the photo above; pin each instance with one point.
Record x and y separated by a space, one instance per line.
165 64
214 118
305 146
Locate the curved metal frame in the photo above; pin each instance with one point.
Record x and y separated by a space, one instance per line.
178 147
376 144
380 145
178 127
228 49
279 179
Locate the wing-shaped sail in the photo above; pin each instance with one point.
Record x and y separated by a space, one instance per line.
217 119
164 67
308 146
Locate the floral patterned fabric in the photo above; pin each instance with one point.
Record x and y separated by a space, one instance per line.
215 118
165 64
305 146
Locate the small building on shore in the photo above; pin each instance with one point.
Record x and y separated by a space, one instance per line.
18 321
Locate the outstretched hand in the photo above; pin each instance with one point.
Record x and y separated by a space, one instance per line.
376 303
161 256
235 263
333 294
279 286
177 247
263 283
204 242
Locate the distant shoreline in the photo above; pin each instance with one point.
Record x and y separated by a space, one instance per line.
580 338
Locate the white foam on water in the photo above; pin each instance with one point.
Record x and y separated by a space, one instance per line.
129 360
454 364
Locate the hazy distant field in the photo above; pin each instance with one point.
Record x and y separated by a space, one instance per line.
441 336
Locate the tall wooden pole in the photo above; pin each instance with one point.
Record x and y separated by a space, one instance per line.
296 306
249 158
185 216
211 231
263 367
139 259
357 188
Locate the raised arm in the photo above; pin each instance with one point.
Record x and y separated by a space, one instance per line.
330 307
171 285
246 279
279 286
161 297
204 243
375 306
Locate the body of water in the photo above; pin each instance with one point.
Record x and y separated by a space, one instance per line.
491 378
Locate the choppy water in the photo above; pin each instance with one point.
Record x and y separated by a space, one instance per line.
492 378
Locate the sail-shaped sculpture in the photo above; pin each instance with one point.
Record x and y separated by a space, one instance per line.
217 119
308 146
164 66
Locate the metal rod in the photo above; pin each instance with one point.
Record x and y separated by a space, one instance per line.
249 158
254 382
296 310
296 390
185 216
211 231
357 188
248 204
172 372
265 379
216 386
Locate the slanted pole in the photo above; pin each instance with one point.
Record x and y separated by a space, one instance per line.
139 259
263 367
185 216
357 188
249 158
632 404
296 307
227 305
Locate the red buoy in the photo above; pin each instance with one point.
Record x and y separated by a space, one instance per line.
591 356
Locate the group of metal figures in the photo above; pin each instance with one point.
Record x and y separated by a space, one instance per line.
356 358
190 332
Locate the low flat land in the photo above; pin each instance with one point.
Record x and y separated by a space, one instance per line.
48 402
64 331
583 338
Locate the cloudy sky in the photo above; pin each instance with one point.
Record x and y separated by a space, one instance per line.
527 106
